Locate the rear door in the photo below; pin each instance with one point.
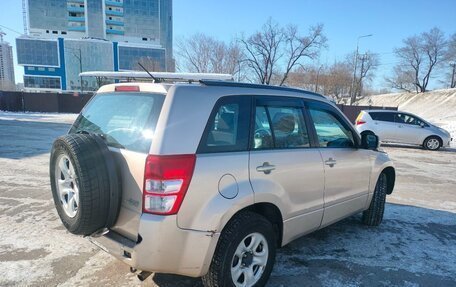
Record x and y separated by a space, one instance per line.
384 125
347 168
127 121
284 167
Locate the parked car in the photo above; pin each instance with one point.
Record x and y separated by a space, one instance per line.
400 127
208 178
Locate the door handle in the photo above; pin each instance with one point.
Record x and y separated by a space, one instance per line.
266 168
331 162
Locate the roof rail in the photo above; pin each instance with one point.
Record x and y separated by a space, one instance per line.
257 86
163 76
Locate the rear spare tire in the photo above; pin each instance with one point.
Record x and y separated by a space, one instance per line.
85 183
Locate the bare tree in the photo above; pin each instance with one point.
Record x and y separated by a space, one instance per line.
204 54
401 79
419 56
338 80
273 52
450 58
333 80
151 65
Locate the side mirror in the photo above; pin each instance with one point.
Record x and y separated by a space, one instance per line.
422 124
369 141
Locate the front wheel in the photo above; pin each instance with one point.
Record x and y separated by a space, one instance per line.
245 253
432 143
374 215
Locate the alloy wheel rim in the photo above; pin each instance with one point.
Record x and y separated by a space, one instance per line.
433 144
67 187
249 260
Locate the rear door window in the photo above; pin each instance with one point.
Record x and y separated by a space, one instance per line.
125 120
280 127
382 116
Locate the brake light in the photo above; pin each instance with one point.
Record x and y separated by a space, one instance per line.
166 180
359 121
127 89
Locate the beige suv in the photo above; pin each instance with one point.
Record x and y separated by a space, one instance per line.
208 178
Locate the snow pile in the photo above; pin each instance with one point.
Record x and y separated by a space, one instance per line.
437 107
38 117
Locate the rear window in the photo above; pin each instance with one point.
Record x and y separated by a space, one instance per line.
126 120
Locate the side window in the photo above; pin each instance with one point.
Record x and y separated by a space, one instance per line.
382 116
330 130
279 127
228 126
405 119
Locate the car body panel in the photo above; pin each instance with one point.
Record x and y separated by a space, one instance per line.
346 182
308 193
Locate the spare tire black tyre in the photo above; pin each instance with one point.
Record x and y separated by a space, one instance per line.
85 183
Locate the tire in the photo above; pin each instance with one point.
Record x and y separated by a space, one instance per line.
374 215
85 183
240 231
432 143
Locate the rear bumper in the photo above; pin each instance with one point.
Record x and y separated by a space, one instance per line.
163 247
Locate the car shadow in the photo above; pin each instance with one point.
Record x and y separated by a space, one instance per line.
412 246
21 139
404 146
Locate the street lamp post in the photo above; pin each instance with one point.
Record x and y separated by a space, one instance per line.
352 88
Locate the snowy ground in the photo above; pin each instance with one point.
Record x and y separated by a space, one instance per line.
414 246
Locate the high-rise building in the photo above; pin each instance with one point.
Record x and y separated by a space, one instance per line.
70 36
6 65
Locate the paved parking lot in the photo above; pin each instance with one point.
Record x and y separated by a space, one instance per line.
415 245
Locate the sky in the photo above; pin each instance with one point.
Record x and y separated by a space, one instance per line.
389 22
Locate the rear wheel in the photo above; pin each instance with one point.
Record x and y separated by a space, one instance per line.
374 215
245 253
432 143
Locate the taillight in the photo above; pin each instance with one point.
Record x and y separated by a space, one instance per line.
360 122
127 89
166 180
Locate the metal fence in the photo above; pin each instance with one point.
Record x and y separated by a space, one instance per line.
74 102
43 102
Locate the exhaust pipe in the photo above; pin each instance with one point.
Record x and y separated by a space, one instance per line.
144 275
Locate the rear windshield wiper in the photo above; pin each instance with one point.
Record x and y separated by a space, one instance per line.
111 142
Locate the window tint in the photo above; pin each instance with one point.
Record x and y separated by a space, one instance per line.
228 126
330 130
279 127
382 116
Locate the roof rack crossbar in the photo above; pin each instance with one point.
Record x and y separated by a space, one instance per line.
257 86
191 77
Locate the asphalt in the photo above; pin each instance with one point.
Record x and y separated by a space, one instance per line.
414 246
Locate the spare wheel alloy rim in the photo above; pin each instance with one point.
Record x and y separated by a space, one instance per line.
249 260
67 186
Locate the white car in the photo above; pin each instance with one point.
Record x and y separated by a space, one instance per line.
399 127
